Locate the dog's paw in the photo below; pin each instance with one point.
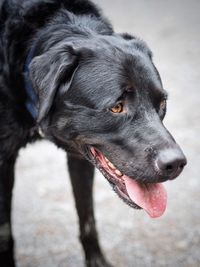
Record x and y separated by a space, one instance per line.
97 261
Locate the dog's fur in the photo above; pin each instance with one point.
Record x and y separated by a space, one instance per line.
80 69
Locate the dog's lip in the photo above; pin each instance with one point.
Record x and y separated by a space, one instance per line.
113 175
152 197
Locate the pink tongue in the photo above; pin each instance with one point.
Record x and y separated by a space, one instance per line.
151 197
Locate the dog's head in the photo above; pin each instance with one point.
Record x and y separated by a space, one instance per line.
104 98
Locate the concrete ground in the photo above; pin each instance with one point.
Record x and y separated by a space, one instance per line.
45 222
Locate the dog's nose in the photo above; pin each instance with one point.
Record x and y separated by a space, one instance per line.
170 162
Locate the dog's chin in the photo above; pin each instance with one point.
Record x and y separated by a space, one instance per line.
112 174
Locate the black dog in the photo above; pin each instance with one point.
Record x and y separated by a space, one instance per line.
67 76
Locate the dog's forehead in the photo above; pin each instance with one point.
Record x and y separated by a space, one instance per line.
98 77
109 72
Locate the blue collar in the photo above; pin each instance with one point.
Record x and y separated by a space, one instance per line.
32 98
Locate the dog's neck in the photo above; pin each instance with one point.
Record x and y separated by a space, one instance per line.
32 100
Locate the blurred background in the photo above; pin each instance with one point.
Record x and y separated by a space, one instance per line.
45 221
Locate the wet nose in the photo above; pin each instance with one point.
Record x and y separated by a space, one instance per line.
170 162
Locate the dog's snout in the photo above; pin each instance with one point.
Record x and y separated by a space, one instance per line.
170 162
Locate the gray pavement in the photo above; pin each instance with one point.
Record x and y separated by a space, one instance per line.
45 222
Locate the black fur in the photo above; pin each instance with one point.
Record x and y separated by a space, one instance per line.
80 69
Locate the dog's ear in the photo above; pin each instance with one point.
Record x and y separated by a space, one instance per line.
138 43
48 71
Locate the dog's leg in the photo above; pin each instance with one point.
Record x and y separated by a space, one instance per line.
82 173
6 185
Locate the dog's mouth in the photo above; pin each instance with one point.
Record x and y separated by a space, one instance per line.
152 197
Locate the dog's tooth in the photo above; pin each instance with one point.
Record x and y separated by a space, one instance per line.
118 173
106 159
111 165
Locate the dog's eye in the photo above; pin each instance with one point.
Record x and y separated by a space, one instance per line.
162 109
118 108
163 104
